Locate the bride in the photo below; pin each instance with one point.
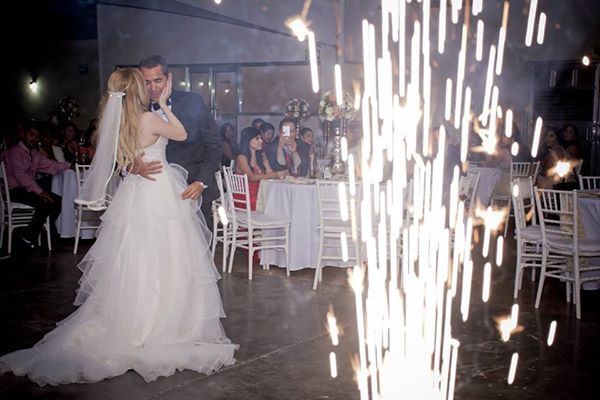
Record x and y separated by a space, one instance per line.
148 295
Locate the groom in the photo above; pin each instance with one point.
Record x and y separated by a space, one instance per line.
200 154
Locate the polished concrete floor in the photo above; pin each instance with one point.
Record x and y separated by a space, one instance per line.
279 323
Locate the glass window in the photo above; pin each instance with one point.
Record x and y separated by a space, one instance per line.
200 83
180 81
225 95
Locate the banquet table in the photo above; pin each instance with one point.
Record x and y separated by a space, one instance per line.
488 177
589 215
296 199
64 184
589 211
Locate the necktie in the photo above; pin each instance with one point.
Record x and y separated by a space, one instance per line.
156 106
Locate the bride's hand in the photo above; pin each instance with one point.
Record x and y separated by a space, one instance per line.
166 93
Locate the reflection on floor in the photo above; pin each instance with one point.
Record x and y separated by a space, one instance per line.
279 323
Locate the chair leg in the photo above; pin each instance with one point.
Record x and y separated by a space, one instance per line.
577 287
568 288
78 230
215 235
519 270
287 250
318 270
48 236
225 248
316 278
538 296
250 255
10 232
233 240
507 219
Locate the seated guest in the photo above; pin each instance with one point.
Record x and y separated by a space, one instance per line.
230 147
305 149
267 133
47 141
70 142
257 122
551 152
23 162
87 147
253 162
569 140
282 153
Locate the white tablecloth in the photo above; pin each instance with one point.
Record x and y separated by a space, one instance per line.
488 177
297 201
589 214
64 184
589 211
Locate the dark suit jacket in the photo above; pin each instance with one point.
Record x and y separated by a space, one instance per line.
201 153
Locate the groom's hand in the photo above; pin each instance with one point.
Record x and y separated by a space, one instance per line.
146 169
193 192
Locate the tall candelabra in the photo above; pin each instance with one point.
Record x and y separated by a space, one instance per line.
338 166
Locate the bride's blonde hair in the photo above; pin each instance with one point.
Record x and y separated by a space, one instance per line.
131 82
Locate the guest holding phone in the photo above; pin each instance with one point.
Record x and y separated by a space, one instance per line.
283 152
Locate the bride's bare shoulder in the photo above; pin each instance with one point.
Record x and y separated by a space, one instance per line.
146 127
148 117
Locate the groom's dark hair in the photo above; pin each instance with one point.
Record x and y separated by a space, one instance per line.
153 61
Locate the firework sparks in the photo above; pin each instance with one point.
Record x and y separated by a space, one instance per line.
338 84
298 27
333 364
499 250
514 148
562 168
312 55
551 333
332 327
530 22
223 215
585 61
513 368
479 46
487 272
536 136
418 247
508 125
541 28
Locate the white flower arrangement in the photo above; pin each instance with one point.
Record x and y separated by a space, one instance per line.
329 110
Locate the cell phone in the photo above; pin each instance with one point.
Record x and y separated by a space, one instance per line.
286 130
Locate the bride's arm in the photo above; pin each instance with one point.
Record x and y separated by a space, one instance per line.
155 125
173 129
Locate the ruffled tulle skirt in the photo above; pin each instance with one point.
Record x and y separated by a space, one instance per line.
148 295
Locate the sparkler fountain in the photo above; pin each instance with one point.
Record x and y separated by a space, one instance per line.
418 260
419 246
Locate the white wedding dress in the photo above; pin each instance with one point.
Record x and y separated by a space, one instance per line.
148 293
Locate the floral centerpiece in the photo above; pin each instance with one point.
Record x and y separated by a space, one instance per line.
68 107
329 110
297 109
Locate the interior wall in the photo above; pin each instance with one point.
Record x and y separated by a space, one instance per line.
126 34
70 69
